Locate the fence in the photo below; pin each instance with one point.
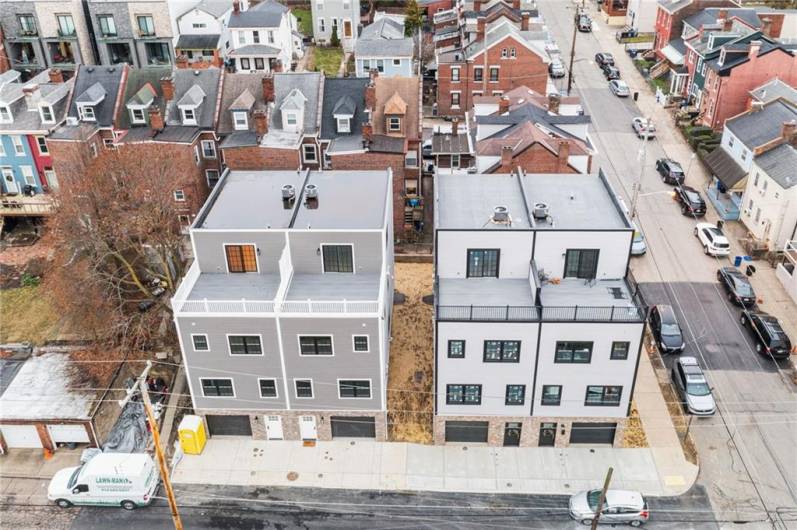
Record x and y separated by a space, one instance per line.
465 313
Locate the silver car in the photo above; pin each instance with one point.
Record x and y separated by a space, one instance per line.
638 245
619 88
692 387
620 506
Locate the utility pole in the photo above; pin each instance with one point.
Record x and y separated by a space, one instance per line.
602 499
141 383
572 57
643 158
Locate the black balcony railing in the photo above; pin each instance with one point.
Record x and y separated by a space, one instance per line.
466 313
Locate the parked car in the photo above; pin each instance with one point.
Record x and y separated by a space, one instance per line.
556 68
665 329
691 201
619 88
584 24
767 333
625 33
620 506
644 128
604 58
638 245
692 387
670 170
610 72
713 240
738 287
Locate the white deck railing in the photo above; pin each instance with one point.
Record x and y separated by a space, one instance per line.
344 306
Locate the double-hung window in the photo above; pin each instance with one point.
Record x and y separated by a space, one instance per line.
478 73
19 147
455 75
41 142
620 350
245 345
241 258
608 396
501 351
146 25
137 116
107 25
315 345
309 153
240 121
456 349
463 394
551 395
394 124
268 388
515 395
360 343
355 388
304 388
200 342
5 114
494 74
338 258
483 263
208 149
189 116
217 388
581 263
573 352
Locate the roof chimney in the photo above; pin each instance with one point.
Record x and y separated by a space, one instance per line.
181 61
236 6
524 21
368 132
454 126
56 75
554 100
155 118
506 157
370 92
480 23
503 105
722 14
167 87
789 131
564 154
268 87
727 25
477 5
261 123
32 94
755 47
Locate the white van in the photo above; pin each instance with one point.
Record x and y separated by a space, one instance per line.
108 479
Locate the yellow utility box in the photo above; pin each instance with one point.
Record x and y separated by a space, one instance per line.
192 435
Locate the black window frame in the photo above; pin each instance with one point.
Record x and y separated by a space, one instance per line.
245 60
484 265
142 31
604 402
102 20
204 337
310 387
452 342
464 391
501 352
27 18
478 73
613 356
456 99
217 387
497 71
260 64
550 403
315 339
522 396
337 263
580 263
356 387
358 349
257 349
560 348
273 382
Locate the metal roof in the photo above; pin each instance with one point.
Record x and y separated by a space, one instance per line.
780 164
755 128
724 167
198 42
263 15
773 90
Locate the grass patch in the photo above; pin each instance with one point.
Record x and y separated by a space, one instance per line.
305 19
327 60
27 315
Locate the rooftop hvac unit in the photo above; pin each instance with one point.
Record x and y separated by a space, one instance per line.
540 210
311 191
288 192
500 214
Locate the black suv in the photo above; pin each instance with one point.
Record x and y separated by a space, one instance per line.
610 72
767 334
671 171
665 329
740 292
692 203
604 58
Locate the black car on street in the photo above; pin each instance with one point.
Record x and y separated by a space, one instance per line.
671 171
610 72
604 58
767 333
692 204
738 287
665 329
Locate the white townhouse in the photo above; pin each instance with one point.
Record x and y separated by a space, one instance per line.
537 330
263 38
202 33
338 16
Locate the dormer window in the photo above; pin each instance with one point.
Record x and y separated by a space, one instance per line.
46 113
86 113
394 124
290 119
137 116
189 104
189 115
343 124
240 121
5 115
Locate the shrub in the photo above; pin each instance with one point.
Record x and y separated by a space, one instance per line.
334 40
29 280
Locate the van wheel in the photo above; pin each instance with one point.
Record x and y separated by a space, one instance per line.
128 505
743 320
586 522
63 503
705 249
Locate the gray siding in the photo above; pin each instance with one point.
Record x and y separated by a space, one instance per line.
8 16
244 370
325 371
121 19
306 250
210 249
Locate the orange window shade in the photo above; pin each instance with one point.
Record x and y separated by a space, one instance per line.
241 258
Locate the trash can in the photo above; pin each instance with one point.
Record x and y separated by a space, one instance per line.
750 270
192 435
737 261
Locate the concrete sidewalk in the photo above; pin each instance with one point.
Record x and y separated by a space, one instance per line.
363 464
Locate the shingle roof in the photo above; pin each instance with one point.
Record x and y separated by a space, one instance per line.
198 42
671 6
444 144
55 94
507 29
305 82
738 54
93 94
109 77
336 90
214 7
522 136
408 89
395 105
345 106
187 87
235 85
384 38
724 167
194 96
773 90
384 28
243 102
255 49
386 144
138 80
780 163
266 14
759 127
710 15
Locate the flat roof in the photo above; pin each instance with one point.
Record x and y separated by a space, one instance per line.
574 201
575 291
253 200
217 286
334 287
484 292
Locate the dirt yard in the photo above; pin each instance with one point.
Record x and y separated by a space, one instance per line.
634 435
410 398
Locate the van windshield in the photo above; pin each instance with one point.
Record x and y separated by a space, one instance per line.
73 478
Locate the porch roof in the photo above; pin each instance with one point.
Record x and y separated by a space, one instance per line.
725 168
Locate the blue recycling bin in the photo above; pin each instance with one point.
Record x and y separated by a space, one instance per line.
737 261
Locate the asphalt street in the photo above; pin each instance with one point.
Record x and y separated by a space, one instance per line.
747 452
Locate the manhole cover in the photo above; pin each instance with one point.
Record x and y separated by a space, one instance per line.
293 475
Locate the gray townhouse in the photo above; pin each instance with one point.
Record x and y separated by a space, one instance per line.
538 331
383 47
340 16
138 33
44 34
284 316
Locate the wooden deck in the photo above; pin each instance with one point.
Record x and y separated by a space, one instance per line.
22 205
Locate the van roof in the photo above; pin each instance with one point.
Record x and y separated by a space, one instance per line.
117 464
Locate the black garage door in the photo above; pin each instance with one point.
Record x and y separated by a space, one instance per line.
353 427
466 431
229 425
592 433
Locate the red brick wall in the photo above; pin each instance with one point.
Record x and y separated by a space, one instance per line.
537 159
258 158
527 69
663 29
730 98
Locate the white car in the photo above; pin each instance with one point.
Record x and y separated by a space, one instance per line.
713 240
644 128
619 88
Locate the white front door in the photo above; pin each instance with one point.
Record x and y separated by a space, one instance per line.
274 428
8 179
307 428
